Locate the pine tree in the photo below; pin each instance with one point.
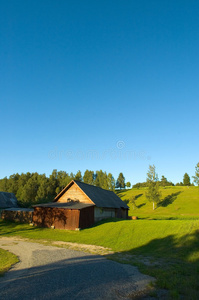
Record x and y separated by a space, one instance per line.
120 181
186 180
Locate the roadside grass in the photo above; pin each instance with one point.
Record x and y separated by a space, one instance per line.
177 202
7 259
165 249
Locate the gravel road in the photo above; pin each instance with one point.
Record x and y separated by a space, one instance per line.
49 272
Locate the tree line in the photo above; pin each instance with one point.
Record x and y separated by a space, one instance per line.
33 188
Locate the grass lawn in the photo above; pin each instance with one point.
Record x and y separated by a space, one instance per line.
7 259
165 249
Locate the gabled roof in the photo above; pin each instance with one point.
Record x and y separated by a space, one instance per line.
7 200
100 197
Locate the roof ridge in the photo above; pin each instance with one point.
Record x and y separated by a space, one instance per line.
77 181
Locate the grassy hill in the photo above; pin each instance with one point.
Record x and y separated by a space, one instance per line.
176 202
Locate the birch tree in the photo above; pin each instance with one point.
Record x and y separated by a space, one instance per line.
153 194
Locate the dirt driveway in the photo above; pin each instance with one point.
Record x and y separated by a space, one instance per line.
49 272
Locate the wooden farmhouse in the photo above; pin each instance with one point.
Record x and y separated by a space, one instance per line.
79 205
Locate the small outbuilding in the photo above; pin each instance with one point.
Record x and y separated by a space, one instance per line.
10 210
7 200
79 205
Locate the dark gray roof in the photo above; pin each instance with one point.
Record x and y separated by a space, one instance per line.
7 200
69 205
19 209
101 198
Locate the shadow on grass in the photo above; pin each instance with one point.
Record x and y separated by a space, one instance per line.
108 220
169 199
141 205
126 201
11 228
137 196
132 199
173 262
118 192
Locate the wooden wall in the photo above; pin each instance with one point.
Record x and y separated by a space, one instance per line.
62 218
86 217
74 193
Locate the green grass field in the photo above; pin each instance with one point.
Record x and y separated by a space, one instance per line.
171 247
163 243
7 260
176 202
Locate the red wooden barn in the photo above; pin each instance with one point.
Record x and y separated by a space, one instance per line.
79 205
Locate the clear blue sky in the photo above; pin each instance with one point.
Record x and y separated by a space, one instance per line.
111 85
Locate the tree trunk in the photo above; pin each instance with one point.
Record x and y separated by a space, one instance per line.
153 206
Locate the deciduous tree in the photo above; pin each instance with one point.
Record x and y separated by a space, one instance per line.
78 176
153 194
101 179
88 177
110 182
196 177
128 184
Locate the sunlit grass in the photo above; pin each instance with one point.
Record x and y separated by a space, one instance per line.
7 259
177 202
122 235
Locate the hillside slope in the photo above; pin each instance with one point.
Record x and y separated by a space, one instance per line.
176 202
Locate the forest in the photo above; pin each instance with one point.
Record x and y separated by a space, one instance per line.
32 188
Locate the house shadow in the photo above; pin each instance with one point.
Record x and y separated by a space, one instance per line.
169 199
